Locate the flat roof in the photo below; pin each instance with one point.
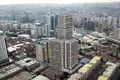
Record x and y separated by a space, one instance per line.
76 75
85 68
102 78
24 75
40 77
94 60
50 73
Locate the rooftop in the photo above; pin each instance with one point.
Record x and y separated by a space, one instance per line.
9 70
102 78
26 62
40 77
75 76
24 75
94 60
85 68
51 73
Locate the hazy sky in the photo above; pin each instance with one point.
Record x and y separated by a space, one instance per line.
51 1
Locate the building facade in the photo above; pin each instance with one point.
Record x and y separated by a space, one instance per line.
3 49
42 51
64 49
116 33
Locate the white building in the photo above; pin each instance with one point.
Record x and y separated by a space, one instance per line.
42 30
116 33
39 29
48 22
24 36
3 49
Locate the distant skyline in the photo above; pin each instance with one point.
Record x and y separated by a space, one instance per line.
5 2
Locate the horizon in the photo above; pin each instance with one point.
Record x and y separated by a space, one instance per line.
15 2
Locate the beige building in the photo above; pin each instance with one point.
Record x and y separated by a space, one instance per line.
42 51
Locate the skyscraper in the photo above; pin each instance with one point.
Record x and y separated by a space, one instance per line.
39 29
52 22
3 49
116 33
70 54
48 22
56 53
64 49
65 26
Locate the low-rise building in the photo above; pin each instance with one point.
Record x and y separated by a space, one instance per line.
108 73
24 36
75 76
85 71
102 78
28 63
95 61
8 71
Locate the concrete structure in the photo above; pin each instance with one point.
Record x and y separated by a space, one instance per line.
14 47
21 56
28 63
23 75
48 23
40 77
75 76
116 33
108 73
39 29
8 71
5 25
64 49
52 74
42 30
65 26
56 51
46 31
3 49
95 61
24 36
70 54
87 69
42 51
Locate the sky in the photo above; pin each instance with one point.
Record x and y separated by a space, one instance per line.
4 2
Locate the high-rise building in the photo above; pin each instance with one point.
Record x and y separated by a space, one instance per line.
56 53
116 33
90 25
39 29
42 51
46 30
3 49
52 31
100 27
48 22
54 22
117 22
70 54
65 27
64 49
42 30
